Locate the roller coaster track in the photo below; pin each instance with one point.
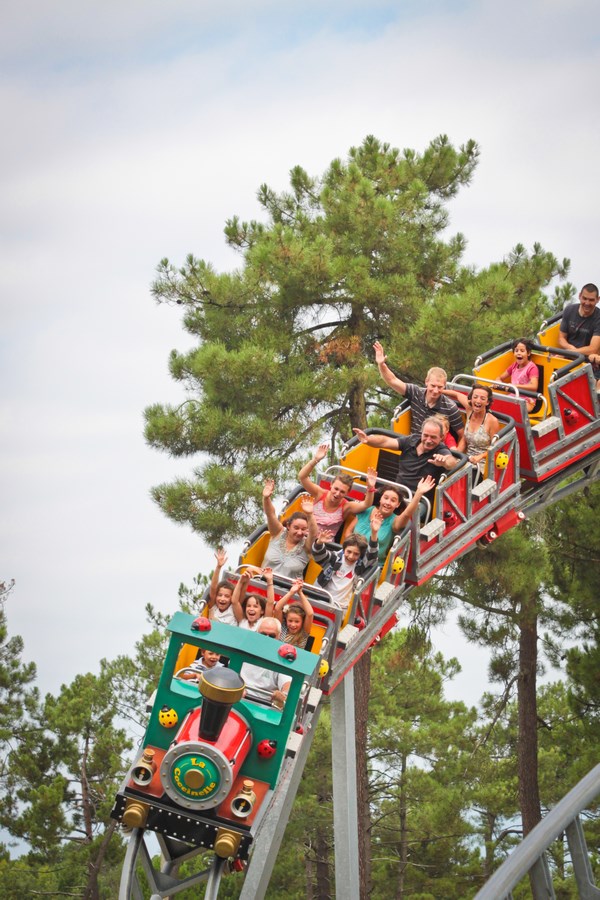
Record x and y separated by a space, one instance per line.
532 500
560 455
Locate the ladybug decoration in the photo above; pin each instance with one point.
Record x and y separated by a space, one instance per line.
266 749
398 566
450 518
201 624
167 717
359 623
501 460
287 651
571 416
323 668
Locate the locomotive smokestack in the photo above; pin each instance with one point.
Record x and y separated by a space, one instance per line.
221 688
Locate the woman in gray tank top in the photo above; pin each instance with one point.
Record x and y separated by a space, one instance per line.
289 548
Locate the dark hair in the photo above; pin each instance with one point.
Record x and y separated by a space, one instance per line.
527 344
295 515
482 387
262 600
389 487
299 639
356 540
590 288
224 584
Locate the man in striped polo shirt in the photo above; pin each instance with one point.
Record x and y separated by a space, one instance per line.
424 402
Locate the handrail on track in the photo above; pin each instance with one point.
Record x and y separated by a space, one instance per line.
504 387
405 491
529 856
574 358
334 470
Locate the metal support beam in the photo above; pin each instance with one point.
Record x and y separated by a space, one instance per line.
527 855
580 859
272 827
345 808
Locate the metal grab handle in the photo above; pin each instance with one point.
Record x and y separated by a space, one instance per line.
505 387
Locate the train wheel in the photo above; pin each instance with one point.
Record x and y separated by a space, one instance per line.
129 887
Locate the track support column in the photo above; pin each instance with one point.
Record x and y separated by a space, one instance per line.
345 808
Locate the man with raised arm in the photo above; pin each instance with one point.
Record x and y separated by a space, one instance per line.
424 402
580 328
422 454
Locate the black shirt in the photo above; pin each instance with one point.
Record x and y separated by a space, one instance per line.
412 466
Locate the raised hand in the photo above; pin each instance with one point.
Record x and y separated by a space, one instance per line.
307 505
376 521
323 537
267 574
371 478
268 488
361 435
425 485
221 557
321 452
380 356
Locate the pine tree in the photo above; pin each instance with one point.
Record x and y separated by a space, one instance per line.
63 776
420 752
282 356
574 546
283 344
503 590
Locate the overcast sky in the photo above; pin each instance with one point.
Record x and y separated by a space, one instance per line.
131 132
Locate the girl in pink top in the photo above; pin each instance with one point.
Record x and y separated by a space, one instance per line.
523 373
331 507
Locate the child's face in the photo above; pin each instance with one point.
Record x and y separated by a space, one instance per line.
521 354
293 622
210 658
351 554
388 503
253 609
223 599
338 491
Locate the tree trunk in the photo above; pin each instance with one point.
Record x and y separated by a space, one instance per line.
362 684
309 872
86 800
488 835
529 795
94 866
323 891
357 412
403 861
